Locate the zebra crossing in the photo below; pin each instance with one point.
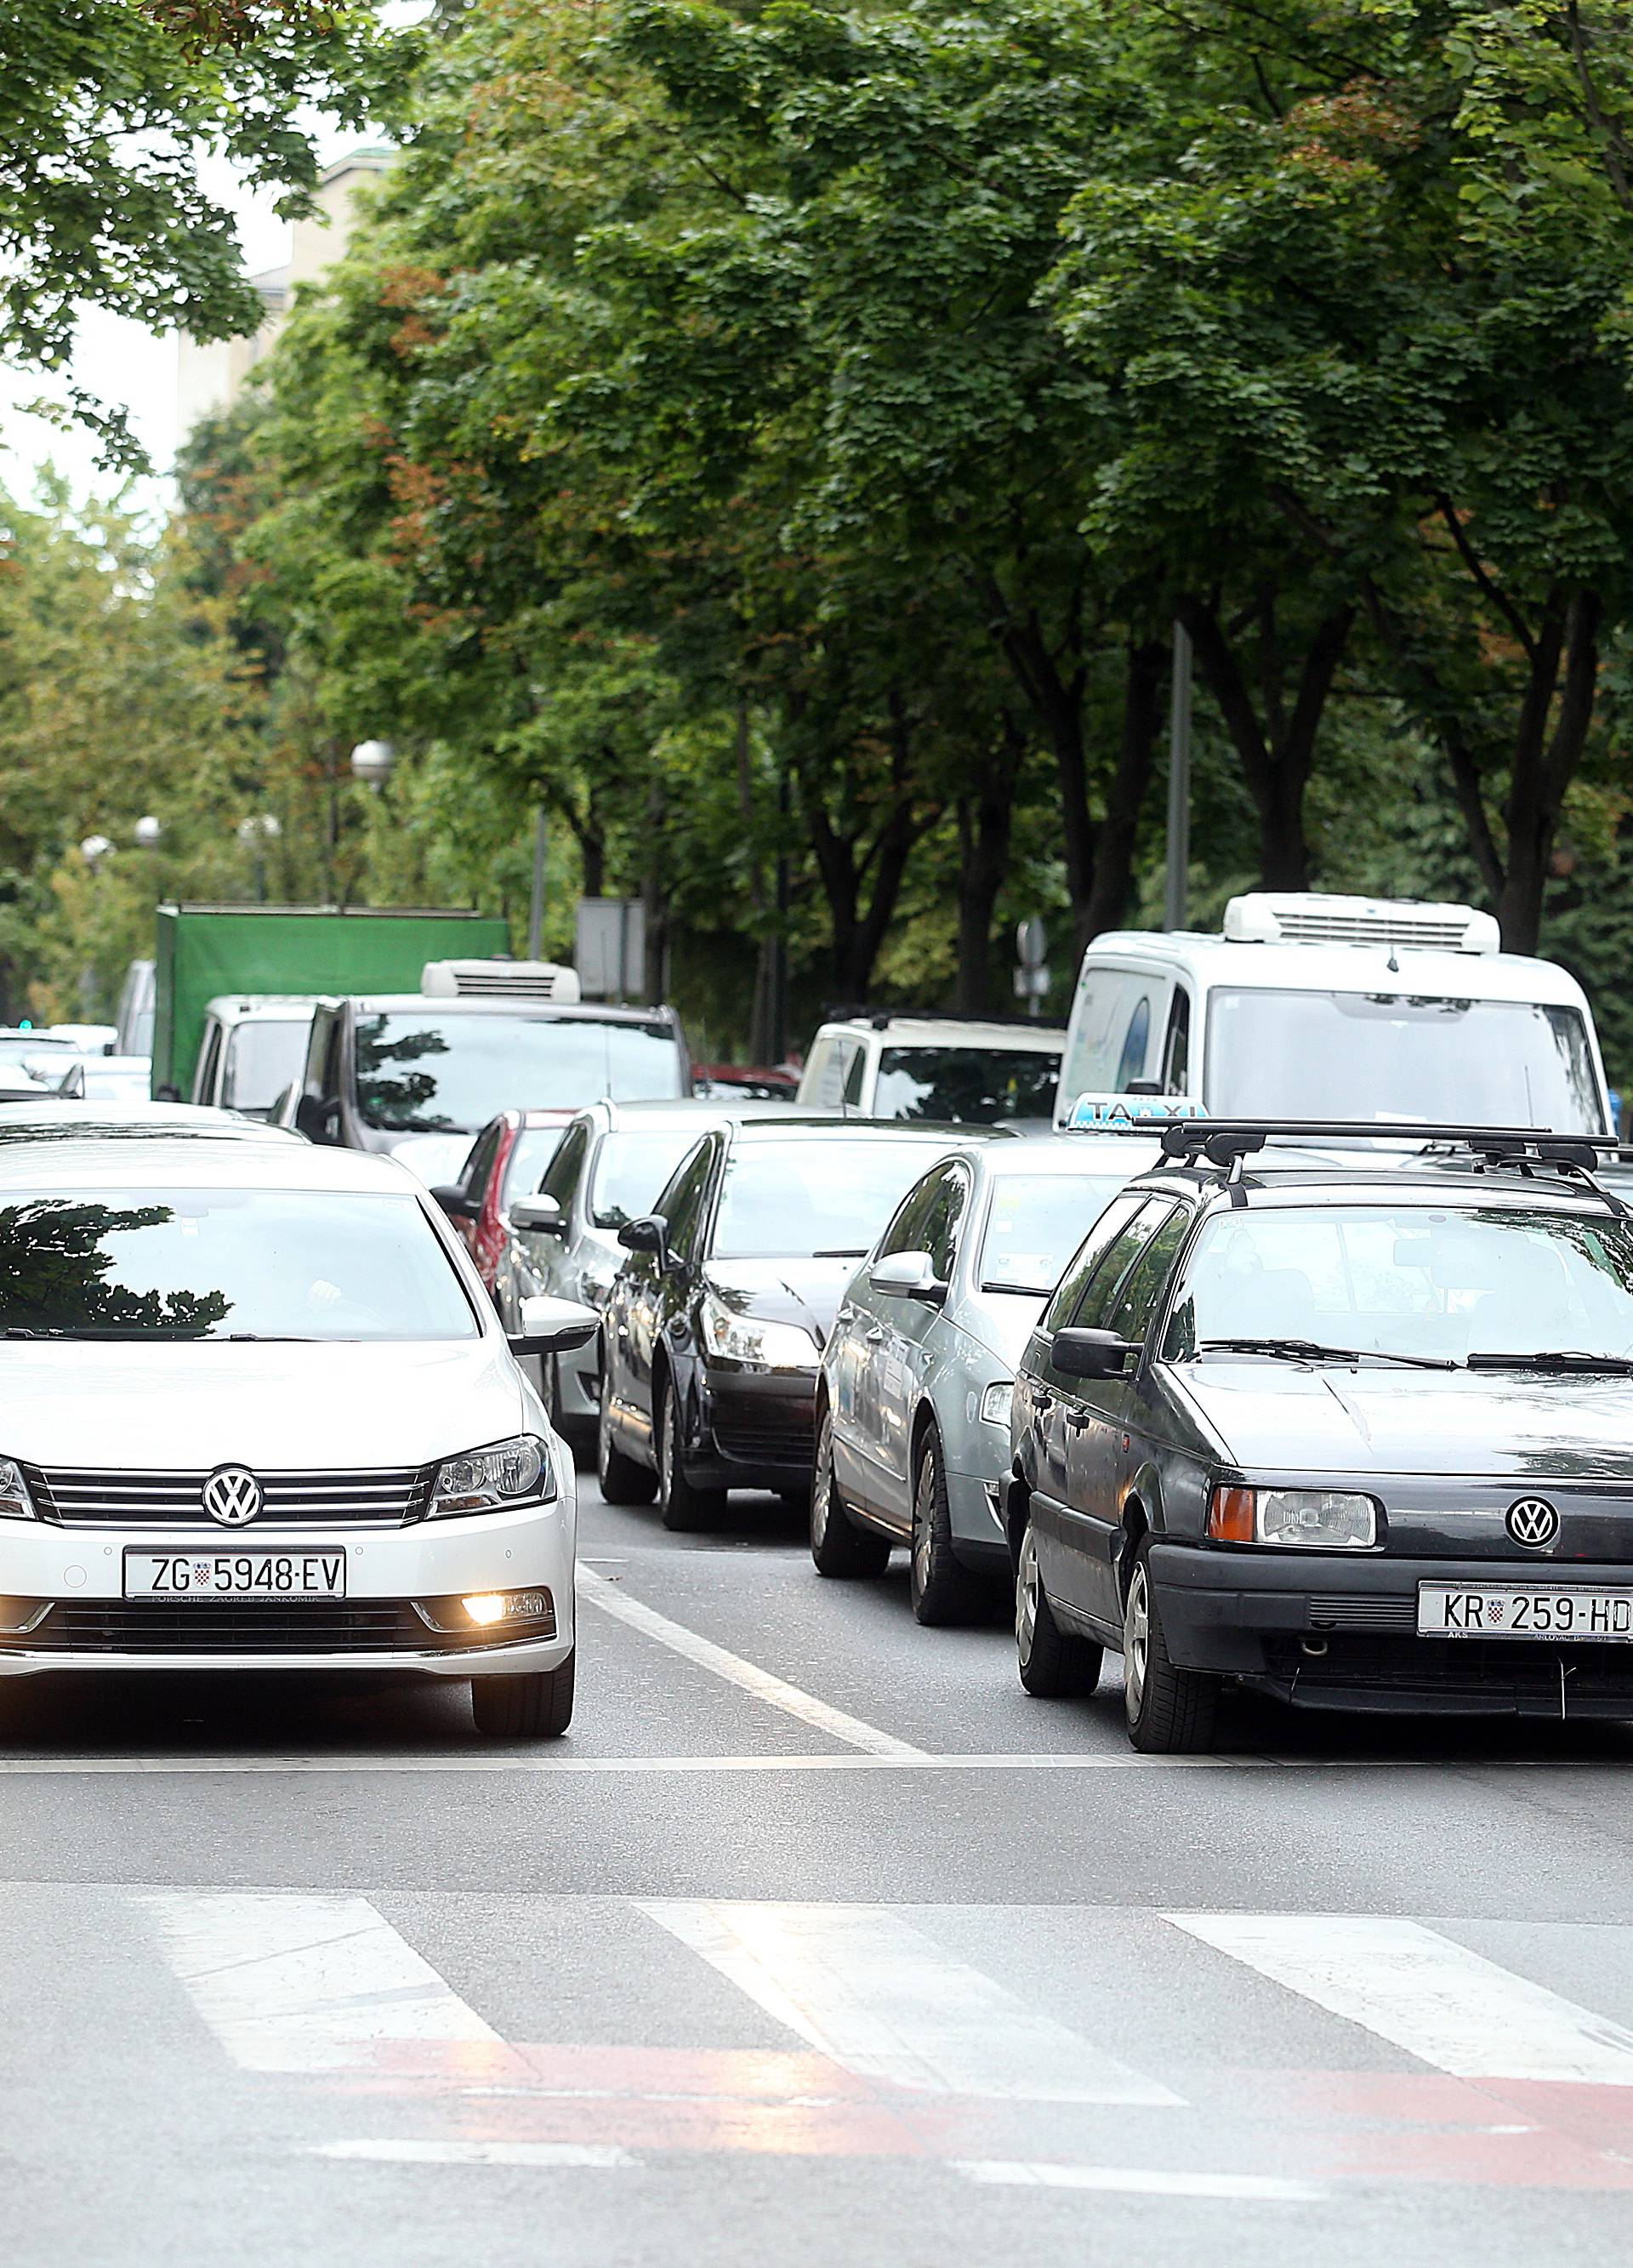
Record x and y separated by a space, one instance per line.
1031 2049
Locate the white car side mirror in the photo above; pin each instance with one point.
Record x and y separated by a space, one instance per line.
553 1326
908 1275
539 1212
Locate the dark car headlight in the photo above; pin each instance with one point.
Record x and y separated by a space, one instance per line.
757 1345
1320 1519
517 1471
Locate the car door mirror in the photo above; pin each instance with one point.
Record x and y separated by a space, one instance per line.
1091 1354
455 1202
649 1234
540 1213
553 1326
908 1275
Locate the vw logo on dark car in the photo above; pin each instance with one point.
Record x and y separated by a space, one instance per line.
232 1497
1533 1522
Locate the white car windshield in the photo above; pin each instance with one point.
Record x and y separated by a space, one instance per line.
225 1264
1448 1284
1036 1223
423 1073
1367 1055
965 1087
787 1200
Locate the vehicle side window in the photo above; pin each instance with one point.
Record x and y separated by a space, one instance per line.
1176 1048
854 1077
209 1064
562 1174
331 1062
1143 1285
479 1165
685 1201
929 1218
1116 1013
826 1073
1111 1223
910 1230
1100 1292
944 1228
1137 1039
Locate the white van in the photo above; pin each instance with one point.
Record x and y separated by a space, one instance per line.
1338 1008
881 1064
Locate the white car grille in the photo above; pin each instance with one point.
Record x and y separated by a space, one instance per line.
81 1497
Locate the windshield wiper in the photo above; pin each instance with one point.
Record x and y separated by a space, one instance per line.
840 1252
1566 1358
1308 1351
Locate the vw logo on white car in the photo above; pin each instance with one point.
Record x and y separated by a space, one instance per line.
232 1497
1534 1521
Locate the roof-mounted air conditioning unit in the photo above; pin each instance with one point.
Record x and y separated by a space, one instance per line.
499 980
1318 917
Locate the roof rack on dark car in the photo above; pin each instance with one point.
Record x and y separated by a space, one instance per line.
1224 1143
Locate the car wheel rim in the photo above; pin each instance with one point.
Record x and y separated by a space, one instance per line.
1027 1598
667 1451
820 1482
1136 1631
923 1542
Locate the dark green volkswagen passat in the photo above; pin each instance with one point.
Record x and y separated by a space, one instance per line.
1355 1438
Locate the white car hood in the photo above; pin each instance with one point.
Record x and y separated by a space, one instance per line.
189 1405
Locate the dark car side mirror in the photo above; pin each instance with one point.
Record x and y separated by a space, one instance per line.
649 1234
317 1121
1091 1354
455 1202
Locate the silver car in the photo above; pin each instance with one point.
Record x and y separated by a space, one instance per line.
913 1407
607 1169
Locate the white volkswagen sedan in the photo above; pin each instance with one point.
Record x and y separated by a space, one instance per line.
257 1411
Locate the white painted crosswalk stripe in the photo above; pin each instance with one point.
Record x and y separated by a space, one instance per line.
389 2152
868 1989
1268 2189
293 1982
1422 1992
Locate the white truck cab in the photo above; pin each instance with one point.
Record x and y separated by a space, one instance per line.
1311 1006
880 1064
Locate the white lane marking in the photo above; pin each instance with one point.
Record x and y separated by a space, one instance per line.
879 1997
1018 2173
1449 2008
289 1982
478 2154
747 1675
551 1761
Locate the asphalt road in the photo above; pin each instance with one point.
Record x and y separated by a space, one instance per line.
816 1942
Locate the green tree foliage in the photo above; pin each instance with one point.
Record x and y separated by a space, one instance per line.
106 108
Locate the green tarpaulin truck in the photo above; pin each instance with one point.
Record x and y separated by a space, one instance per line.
206 950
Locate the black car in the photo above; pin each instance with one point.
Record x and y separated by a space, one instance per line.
1357 1438
716 1322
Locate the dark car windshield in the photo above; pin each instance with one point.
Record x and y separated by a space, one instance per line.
264 1057
631 1168
1037 1222
1386 1054
226 1264
965 1087
788 1199
1410 1280
421 1071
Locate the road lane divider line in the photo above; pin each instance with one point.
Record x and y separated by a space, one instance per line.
292 1982
747 1677
1407 1984
391 2152
888 2003
552 1760
1267 2189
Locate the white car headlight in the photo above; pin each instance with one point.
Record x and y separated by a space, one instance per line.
767 1346
995 1403
15 1501
486 1480
1323 1520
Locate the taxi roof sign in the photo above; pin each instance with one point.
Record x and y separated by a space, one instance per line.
1130 1113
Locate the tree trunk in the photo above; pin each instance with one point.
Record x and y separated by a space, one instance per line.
1544 767
983 852
858 931
1107 903
655 900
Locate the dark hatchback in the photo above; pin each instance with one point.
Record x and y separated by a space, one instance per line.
1355 1438
717 1321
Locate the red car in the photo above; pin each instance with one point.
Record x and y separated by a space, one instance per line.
744 1082
507 1158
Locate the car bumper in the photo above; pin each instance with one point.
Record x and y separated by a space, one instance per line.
395 1579
1341 1633
754 1431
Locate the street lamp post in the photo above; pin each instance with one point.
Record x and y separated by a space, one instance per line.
372 762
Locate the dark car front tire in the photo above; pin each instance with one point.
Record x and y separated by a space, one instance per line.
1170 1710
1054 1664
536 1707
942 1591
622 1481
684 1507
838 1546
